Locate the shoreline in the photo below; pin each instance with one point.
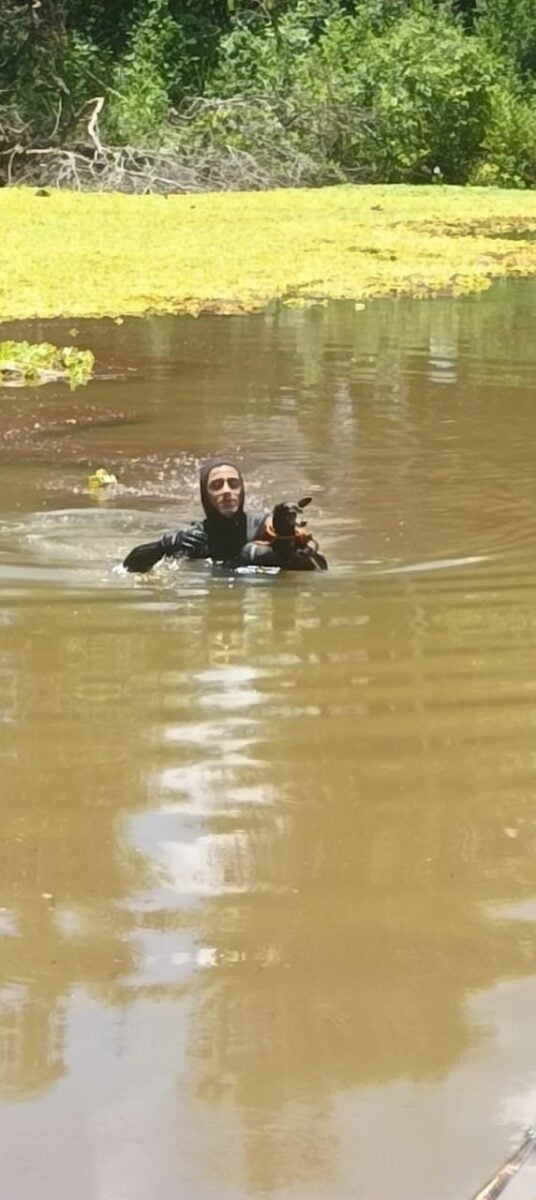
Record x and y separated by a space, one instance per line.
72 254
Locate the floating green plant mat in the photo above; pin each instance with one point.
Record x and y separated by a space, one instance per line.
77 254
23 363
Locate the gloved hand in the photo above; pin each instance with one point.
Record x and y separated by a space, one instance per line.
192 542
258 555
188 542
142 558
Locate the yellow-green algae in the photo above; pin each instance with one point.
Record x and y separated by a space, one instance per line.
81 255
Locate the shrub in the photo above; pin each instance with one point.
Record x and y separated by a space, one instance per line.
509 27
390 105
508 157
420 95
298 91
139 98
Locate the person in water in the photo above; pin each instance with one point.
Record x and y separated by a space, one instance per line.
227 534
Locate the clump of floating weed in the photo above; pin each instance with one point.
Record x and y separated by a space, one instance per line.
36 363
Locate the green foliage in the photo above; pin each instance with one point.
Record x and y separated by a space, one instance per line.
391 105
165 59
107 25
27 363
509 26
139 103
420 94
309 90
508 156
46 74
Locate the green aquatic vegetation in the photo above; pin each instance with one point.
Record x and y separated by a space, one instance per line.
101 478
80 255
37 363
149 95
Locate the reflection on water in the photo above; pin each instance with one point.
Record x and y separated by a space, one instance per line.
267 892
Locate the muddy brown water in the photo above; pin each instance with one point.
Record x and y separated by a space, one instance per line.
268 855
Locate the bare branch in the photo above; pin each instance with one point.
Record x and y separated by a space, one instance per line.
16 150
275 161
92 126
58 118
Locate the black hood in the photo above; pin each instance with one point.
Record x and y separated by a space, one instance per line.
225 535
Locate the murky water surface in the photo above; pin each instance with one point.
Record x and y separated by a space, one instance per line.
268 881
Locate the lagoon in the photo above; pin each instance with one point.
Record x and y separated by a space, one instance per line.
267 899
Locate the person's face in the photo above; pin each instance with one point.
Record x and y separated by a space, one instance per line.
224 486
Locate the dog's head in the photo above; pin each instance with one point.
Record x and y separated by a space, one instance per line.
287 517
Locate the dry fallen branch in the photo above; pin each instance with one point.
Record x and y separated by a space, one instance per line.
92 125
93 166
128 169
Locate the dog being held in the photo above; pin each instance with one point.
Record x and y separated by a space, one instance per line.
282 540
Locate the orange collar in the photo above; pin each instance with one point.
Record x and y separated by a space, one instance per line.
269 535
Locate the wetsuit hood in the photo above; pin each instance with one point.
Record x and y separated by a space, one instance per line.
225 535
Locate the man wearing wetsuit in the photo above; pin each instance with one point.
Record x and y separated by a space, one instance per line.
227 534
220 536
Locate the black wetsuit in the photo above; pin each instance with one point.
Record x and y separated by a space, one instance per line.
228 540
216 537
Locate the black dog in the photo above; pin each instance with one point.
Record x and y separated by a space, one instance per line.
282 538
287 517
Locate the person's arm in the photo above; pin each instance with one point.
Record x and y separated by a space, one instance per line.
184 543
142 558
187 543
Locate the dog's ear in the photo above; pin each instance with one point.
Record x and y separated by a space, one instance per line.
303 503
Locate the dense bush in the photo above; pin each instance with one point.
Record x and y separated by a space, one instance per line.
509 26
411 116
276 91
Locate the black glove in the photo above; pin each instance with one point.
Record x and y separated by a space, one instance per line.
257 555
192 542
142 558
